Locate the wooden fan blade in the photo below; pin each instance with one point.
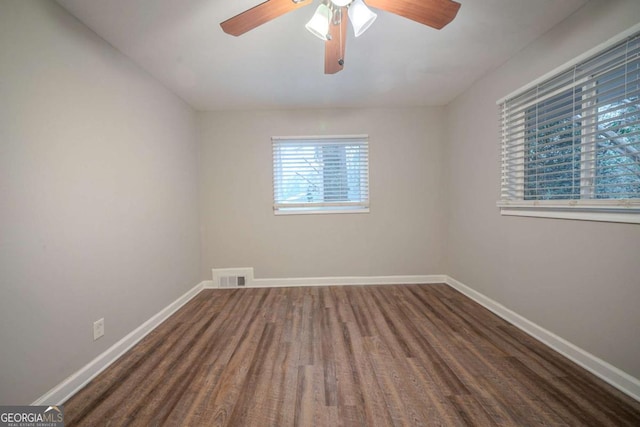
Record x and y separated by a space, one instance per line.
334 48
258 15
434 13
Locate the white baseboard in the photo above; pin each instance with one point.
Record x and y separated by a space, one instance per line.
347 281
252 282
67 388
607 372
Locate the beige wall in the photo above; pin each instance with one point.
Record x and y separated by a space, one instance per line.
98 197
403 234
580 280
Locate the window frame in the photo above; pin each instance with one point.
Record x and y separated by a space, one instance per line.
314 208
591 209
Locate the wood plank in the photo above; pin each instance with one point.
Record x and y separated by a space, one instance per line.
345 356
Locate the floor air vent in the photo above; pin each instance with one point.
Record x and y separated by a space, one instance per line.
232 277
232 281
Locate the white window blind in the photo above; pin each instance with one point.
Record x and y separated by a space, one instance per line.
321 174
572 141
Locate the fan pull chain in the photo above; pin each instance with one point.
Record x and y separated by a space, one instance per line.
341 60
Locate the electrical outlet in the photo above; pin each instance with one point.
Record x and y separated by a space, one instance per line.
98 328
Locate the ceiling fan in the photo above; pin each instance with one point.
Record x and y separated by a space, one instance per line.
330 19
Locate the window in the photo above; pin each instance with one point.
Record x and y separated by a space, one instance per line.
571 142
326 174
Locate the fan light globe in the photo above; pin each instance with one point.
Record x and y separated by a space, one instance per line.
361 17
318 25
341 3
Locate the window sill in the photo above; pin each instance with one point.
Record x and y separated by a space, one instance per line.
630 215
316 211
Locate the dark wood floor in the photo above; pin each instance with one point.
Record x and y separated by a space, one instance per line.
367 356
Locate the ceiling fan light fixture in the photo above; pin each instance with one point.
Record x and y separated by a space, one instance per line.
318 25
329 22
361 17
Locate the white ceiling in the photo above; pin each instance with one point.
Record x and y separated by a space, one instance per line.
397 62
